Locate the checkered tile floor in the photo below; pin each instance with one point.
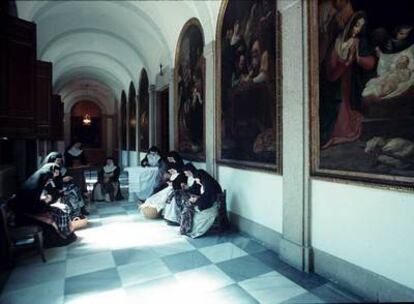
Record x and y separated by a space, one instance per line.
124 258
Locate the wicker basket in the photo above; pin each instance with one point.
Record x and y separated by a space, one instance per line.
79 223
150 212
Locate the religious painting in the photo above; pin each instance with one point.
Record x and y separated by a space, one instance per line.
143 112
362 90
190 92
248 107
132 117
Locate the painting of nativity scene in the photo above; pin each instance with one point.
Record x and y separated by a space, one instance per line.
366 88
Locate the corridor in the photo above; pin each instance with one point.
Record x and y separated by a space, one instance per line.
124 258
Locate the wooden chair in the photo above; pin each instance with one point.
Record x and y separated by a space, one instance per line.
20 237
221 222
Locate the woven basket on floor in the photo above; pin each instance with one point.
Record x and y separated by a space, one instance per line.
150 212
79 223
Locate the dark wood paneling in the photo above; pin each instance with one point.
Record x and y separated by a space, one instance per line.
18 66
44 99
57 118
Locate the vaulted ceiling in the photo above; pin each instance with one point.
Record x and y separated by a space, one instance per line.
107 43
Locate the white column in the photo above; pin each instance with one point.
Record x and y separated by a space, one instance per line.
210 108
295 245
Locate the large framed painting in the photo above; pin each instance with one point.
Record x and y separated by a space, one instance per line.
132 117
248 103
190 92
362 90
143 111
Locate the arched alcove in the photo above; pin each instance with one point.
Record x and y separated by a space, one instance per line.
132 121
87 124
123 122
143 113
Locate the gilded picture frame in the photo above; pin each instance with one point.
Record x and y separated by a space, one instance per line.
370 155
262 148
189 92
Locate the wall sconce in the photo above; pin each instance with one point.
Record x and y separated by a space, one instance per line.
161 69
87 120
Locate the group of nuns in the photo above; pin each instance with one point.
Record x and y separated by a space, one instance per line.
52 197
55 195
183 195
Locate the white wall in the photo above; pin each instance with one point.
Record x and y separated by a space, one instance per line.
254 195
133 159
124 158
372 228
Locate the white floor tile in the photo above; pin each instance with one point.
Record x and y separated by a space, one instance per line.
167 247
271 288
142 271
222 252
203 279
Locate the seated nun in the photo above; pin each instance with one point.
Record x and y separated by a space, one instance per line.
108 187
172 158
201 209
52 203
153 158
176 201
73 193
154 205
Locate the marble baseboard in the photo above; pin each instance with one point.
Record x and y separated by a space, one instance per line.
369 285
270 238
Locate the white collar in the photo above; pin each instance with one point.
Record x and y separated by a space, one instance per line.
75 151
109 169
153 159
190 181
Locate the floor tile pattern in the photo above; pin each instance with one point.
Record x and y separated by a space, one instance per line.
124 258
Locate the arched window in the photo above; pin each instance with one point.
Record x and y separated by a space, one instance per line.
143 111
123 121
132 117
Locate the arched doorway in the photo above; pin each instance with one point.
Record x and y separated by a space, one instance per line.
87 126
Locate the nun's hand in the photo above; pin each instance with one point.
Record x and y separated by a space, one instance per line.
67 179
